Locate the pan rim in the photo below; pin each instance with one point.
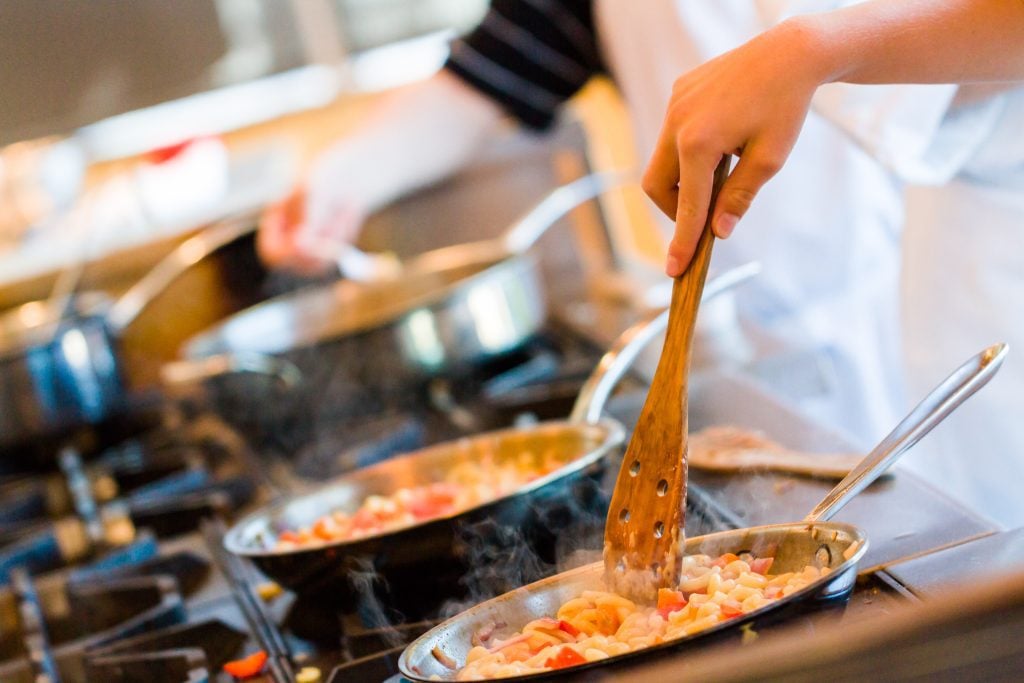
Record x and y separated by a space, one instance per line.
214 339
614 435
848 564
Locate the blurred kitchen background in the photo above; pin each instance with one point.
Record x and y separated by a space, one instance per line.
126 126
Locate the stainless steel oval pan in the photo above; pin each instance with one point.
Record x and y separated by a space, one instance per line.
812 541
794 546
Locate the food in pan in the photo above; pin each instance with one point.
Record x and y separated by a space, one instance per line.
466 485
597 624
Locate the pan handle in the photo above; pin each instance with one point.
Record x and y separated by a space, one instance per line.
184 256
936 406
619 358
529 228
186 372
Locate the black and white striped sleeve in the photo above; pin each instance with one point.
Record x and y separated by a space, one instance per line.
529 55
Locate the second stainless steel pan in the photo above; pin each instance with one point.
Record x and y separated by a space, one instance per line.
362 345
812 541
445 310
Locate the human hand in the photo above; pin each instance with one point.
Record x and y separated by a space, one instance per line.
750 102
308 230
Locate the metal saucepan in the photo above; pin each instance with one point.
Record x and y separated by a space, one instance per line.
361 345
60 367
812 541
409 571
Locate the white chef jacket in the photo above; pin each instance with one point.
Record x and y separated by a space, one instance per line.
828 231
962 289
810 228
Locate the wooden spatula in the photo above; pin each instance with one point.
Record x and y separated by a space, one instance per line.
642 535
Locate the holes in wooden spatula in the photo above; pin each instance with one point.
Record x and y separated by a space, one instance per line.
624 515
659 529
634 469
662 488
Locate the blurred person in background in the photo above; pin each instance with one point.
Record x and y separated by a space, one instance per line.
826 228
526 59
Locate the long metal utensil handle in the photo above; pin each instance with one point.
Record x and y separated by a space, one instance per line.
33 627
616 362
936 406
188 372
530 227
237 574
184 256
62 296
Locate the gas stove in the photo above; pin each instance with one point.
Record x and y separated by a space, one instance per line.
110 543
112 561
98 574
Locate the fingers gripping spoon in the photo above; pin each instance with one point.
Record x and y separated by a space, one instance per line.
642 535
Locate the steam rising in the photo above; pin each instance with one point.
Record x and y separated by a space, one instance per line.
365 580
553 536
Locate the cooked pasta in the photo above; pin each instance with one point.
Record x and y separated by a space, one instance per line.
598 624
466 485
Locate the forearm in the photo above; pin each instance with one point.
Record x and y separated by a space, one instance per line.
418 135
916 41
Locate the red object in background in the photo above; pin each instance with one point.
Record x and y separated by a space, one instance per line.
248 666
162 154
168 152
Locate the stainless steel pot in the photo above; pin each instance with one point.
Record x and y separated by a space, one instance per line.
812 541
60 366
409 573
448 310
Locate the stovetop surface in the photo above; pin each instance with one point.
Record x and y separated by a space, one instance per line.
127 577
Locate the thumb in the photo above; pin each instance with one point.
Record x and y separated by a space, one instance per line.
754 169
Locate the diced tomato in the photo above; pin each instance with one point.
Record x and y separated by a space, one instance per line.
436 501
364 519
568 628
289 537
248 666
667 596
724 560
424 509
565 658
325 528
427 507
670 601
519 652
731 608
607 619
761 565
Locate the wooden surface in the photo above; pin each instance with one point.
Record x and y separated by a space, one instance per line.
645 518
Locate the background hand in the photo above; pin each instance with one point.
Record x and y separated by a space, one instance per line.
307 231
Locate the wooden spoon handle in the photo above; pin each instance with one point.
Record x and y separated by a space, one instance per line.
646 514
686 294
